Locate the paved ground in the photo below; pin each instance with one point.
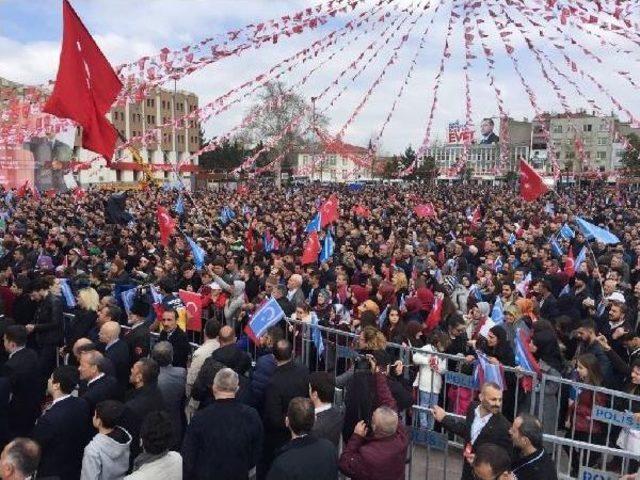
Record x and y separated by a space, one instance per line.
435 464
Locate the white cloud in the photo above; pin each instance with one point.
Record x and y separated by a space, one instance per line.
128 30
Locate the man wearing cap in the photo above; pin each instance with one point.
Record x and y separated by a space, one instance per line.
138 337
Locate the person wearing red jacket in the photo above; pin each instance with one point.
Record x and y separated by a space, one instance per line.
381 453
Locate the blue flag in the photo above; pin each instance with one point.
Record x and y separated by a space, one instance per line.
566 232
565 291
383 317
327 248
198 253
556 249
550 209
128 296
316 335
580 258
314 224
267 316
592 231
355 187
179 206
155 294
485 371
512 239
69 299
226 215
497 314
498 264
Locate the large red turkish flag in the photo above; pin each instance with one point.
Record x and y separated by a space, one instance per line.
311 249
329 211
86 86
167 225
531 184
193 303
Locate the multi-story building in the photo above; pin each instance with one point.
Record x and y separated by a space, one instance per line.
164 149
487 162
587 142
340 162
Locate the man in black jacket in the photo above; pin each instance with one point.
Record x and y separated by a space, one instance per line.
329 419
117 351
288 381
145 397
172 333
25 381
138 337
96 385
225 439
229 354
64 429
491 462
484 423
47 326
534 463
305 456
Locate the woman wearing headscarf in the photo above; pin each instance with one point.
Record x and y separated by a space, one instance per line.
496 346
323 307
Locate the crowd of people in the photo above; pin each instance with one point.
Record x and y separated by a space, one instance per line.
97 384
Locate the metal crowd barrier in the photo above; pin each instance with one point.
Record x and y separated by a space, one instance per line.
576 453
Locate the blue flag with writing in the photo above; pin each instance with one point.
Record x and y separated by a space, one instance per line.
128 296
497 313
580 259
566 232
266 317
65 288
316 335
556 249
179 206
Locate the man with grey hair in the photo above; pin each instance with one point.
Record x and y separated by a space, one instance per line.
225 439
117 351
96 384
19 459
294 290
171 382
380 453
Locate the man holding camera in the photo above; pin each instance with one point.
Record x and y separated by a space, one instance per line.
377 451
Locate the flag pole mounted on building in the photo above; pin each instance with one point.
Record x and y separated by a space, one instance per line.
86 86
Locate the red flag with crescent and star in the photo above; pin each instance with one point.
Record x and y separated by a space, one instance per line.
166 223
193 303
311 249
329 211
570 263
531 184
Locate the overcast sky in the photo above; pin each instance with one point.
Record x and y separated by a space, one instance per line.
30 34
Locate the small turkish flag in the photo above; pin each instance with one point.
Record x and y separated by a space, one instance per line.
311 249
570 263
425 210
86 86
193 303
167 225
531 184
329 211
435 315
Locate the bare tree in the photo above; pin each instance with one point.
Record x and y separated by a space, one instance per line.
284 117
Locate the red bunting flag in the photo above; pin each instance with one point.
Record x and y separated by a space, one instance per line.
193 303
329 211
311 249
167 225
86 86
425 210
474 218
531 184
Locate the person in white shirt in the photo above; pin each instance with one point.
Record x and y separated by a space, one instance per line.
429 378
210 345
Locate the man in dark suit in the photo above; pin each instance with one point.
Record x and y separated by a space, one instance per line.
229 353
288 381
329 419
172 382
137 337
144 398
484 423
172 333
486 129
546 300
305 456
117 351
96 385
225 439
47 326
64 429
25 381
533 462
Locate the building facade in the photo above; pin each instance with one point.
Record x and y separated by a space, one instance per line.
167 146
339 162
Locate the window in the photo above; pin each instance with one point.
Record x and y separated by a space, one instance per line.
148 118
332 160
570 155
305 159
164 104
604 127
601 155
344 162
557 129
587 155
603 141
587 127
